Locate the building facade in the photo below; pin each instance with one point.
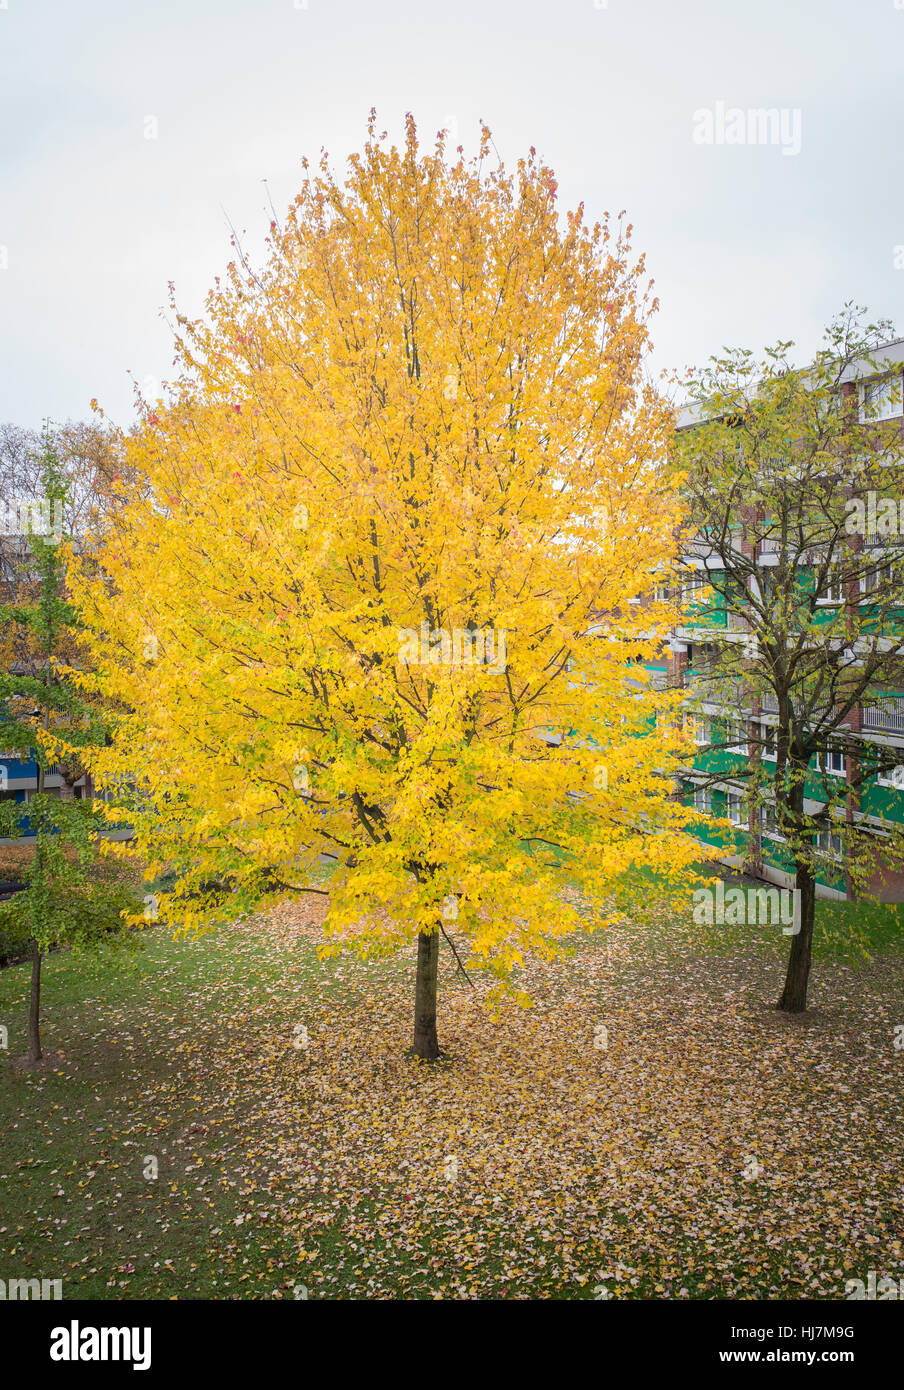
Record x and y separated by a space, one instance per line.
730 733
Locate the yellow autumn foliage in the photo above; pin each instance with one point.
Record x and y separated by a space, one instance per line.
378 595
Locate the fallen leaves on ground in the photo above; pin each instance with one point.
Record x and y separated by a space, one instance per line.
649 1128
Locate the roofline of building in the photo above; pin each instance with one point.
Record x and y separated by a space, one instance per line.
890 353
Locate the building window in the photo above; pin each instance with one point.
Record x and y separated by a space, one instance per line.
893 779
879 579
700 729
697 728
703 800
880 399
833 762
769 823
831 843
833 589
736 736
767 742
734 808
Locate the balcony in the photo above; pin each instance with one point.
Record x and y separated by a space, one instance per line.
886 718
883 542
725 694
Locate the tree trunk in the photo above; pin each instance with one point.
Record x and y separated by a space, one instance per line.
794 995
851 805
34 1007
425 1043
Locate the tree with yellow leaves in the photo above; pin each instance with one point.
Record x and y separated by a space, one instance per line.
381 595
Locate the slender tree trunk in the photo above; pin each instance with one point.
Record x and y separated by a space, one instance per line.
794 995
34 1007
852 804
425 1043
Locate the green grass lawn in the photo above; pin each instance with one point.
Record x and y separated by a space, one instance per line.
528 1162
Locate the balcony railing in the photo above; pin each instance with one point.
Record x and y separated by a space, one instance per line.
727 694
882 542
887 717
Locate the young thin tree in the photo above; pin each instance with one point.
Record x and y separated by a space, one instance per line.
70 896
44 716
802 610
375 599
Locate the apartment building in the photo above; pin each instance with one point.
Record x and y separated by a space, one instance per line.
734 728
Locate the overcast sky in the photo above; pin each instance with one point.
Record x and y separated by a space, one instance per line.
747 242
